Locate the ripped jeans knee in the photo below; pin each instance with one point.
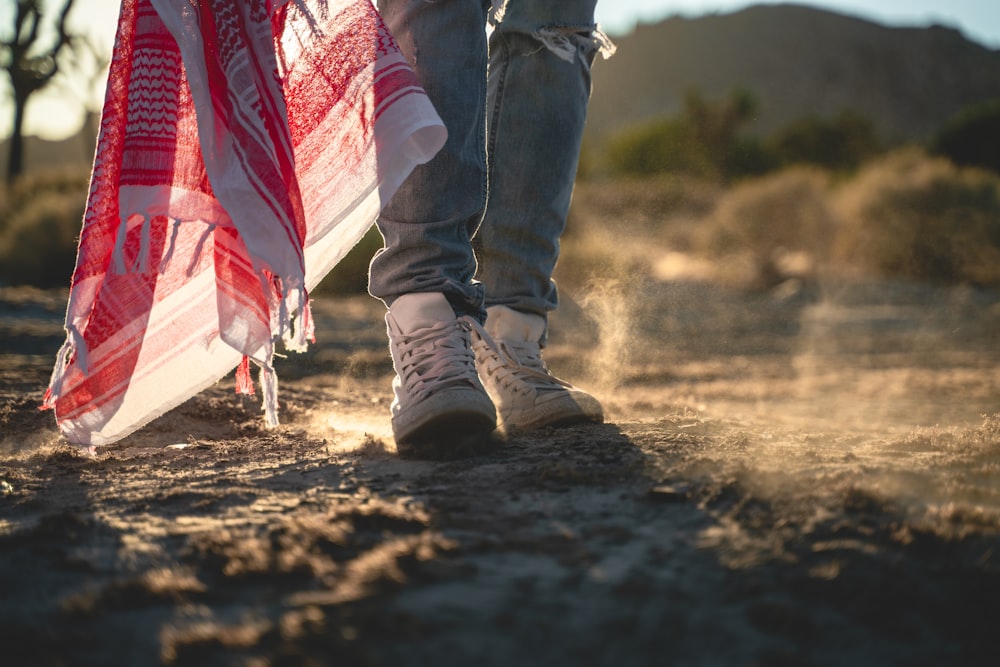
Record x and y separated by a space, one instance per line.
566 28
570 42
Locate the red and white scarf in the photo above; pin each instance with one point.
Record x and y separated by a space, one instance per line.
245 147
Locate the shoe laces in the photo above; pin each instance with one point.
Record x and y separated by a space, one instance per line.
436 357
517 366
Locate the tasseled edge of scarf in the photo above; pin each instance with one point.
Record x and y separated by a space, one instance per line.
75 348
296 329
119 264
268 379
118 252
294 326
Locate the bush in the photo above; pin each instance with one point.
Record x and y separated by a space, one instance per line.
40 221
38 243
666 145
913 216
766 230
36 185
971 138
703 141
841 143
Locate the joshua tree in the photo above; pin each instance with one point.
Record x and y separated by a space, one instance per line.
30 62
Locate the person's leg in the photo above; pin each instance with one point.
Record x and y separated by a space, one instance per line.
428 225
539 86
541 52
424 274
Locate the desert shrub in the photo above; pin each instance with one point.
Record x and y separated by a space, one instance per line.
662 145
40 220
38 242
971 138
766 230
41 183
840 143
704 140
914 216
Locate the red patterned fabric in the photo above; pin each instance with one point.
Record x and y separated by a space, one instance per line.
245 147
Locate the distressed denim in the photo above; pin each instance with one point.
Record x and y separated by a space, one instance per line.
481 221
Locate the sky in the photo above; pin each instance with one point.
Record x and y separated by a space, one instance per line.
56 114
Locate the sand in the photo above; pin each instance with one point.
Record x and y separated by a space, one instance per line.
808 476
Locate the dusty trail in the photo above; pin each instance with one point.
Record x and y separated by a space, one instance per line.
797 478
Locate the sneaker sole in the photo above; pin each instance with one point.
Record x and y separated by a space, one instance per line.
564 411
450 425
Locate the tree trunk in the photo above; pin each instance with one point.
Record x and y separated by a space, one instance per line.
15 160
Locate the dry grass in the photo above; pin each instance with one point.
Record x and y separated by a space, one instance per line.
913 216
40 219
906 215
770 229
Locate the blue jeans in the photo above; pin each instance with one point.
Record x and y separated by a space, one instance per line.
514 102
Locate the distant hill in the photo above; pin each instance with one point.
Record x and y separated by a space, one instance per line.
796 61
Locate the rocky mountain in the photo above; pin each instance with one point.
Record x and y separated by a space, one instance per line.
796 61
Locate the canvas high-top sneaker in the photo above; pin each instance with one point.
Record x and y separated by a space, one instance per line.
524 391
440 409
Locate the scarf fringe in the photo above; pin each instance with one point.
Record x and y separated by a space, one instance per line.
74 350
58 373
244 382
269 389
268 379
296 329
118 252
175 228
145 240
141 263
298 326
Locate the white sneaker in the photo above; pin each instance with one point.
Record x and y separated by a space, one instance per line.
440 409
524 391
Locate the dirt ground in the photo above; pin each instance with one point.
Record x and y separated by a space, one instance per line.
809 476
